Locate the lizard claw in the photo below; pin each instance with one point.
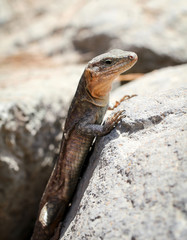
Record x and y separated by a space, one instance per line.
115 119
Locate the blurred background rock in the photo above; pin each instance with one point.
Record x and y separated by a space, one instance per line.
43 50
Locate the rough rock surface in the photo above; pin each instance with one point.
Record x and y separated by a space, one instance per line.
153 82
76 29
138 190
35 90
32 111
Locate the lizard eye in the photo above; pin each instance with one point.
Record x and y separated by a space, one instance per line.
108 61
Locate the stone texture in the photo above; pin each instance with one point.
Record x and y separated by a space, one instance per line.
33 106
153 82
138 190
151 28
78 30
38 39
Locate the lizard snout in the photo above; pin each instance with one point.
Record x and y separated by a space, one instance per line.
133 56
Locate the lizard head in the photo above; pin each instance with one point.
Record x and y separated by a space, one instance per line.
102 70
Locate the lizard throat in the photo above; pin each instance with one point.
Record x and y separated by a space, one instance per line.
97 91
101 101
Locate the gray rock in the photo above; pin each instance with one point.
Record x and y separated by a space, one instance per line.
154 29
138 189
5 12
74 30
153 82
31 117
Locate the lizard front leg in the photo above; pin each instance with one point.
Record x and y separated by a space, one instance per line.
101 130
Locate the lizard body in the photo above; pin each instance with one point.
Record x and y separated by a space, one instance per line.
82 125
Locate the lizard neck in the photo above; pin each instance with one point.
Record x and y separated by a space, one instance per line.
91 93
101 101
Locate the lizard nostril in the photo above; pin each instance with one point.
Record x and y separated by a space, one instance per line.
131 57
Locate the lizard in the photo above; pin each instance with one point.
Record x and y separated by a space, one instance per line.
83 124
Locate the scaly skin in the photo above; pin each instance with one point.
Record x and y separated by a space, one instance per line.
82 125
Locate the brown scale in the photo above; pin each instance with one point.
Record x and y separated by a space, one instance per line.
82 125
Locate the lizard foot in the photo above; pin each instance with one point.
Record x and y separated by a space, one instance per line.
113 121
126 97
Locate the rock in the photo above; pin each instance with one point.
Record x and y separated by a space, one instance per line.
5 12
33 106
152 29
153 82
34 100
80 30
138 189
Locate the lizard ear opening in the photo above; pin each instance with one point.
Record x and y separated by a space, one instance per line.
91 73
95 69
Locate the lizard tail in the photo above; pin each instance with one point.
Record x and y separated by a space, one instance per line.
49 218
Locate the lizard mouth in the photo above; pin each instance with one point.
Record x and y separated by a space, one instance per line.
133 58
123 65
